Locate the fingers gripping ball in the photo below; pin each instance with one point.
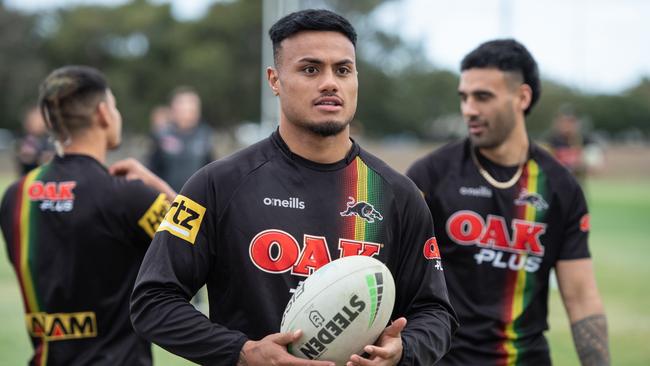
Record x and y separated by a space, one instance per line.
342 307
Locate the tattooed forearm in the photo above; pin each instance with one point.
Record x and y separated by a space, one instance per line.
591 341
242 359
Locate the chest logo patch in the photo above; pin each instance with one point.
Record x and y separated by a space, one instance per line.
276 251
183 219
534 199
362 209
469 228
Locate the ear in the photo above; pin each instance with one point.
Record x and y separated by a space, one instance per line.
103 114
273 79
524 96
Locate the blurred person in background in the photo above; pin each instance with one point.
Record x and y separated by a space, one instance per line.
572 147
159 119
185 145
505 214
76 233
34 147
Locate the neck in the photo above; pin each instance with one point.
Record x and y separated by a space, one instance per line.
90 142
323 150
513 151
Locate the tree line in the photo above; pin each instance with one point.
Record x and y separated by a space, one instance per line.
146 52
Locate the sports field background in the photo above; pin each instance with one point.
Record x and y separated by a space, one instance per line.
619 202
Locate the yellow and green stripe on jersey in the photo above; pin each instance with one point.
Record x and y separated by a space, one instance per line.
25 253
519 284
363 196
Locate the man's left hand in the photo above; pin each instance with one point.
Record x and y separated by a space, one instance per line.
386 351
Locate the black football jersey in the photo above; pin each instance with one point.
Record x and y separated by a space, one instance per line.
499 247
255 224
76 236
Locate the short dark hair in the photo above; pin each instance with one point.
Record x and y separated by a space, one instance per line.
309 20
506 55
67 97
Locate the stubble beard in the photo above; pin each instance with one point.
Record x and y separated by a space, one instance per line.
488 140
325 129
495 134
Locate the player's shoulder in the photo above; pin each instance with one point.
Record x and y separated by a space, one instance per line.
240 163
127 187
441 162
444 155
398 182
560 180
93 184
551 167
10 195
224 175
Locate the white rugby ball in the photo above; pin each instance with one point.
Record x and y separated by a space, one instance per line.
341 308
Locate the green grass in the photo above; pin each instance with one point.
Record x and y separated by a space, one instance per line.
619 241
619 244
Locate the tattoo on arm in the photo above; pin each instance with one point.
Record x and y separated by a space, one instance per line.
242 359
591 341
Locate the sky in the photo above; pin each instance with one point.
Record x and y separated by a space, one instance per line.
598 46
592 45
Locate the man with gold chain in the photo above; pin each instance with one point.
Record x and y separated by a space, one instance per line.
506 213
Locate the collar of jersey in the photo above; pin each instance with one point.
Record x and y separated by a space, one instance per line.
351 155
79 157
501 171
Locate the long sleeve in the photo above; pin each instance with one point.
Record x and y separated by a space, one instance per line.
431 319
174 268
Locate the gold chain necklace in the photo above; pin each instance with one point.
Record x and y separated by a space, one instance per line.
501 185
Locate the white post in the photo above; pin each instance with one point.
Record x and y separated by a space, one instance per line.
272 10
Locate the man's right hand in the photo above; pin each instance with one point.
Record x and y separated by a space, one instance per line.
272 350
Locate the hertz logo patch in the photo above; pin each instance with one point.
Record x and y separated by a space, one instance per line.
183 219
61 326
153 217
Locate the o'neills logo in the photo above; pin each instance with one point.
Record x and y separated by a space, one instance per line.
292 202
481 191
333 328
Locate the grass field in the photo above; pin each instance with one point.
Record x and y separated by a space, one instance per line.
620 244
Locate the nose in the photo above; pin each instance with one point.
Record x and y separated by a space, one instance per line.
328 82
468 109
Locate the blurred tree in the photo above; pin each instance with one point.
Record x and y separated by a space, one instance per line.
553 96
619 113
640 96
357 7
129 43
21 65
231 31
146 52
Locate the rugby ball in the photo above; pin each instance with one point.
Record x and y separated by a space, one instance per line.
340 308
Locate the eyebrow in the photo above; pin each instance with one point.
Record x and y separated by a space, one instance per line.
317 61
478 91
